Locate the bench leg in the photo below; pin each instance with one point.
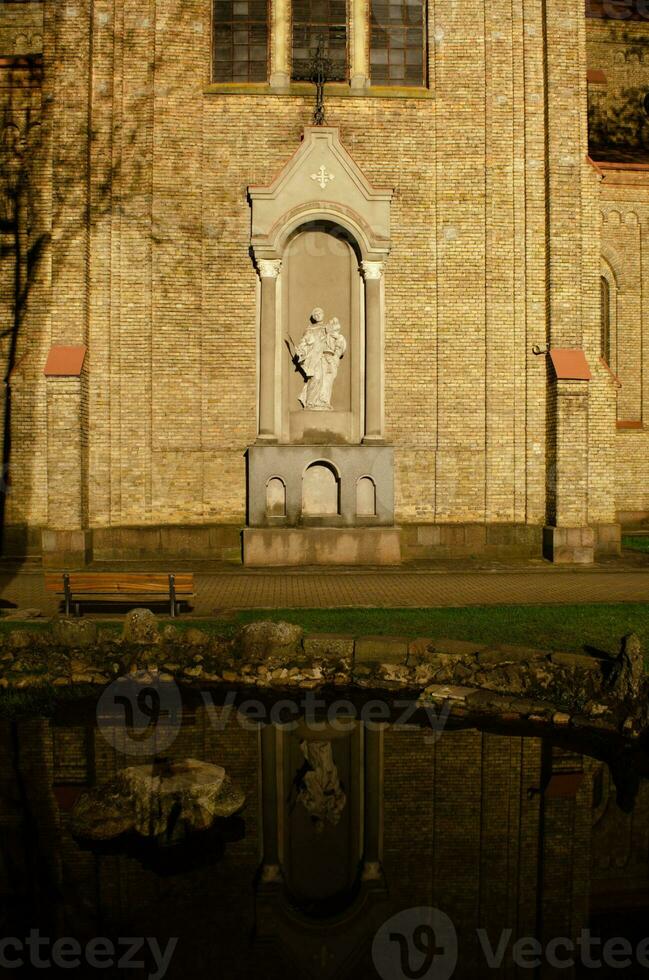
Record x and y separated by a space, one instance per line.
68 594
172 596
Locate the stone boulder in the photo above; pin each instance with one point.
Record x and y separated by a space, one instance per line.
141 626
166 801
74 633
23 615
259 641
627 675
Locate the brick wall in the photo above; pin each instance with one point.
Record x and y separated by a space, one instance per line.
494 248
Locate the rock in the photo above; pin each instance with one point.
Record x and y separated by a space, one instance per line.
628 671
141 626
165 801
20 639
195 638
461 648
381 649
561 719
419 649
332 646
75 633
446 692
266 639
23 614
574 660
505 654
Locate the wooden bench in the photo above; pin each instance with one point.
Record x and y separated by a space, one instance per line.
78 587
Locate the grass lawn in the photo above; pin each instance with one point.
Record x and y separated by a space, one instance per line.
553 627
637 542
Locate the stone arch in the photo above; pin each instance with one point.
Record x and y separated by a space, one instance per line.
344 218
275 497
365 497
320 489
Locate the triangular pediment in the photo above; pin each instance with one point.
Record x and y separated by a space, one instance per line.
321 181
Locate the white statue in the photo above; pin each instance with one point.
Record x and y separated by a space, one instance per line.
318 355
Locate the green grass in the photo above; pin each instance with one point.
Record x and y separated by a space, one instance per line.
552 627
637 542
555 627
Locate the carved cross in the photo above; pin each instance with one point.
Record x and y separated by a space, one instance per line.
319 70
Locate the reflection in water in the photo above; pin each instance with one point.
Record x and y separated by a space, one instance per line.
342 830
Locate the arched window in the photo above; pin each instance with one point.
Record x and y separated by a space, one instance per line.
315 19
605 322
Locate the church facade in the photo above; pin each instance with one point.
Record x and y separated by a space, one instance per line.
411 323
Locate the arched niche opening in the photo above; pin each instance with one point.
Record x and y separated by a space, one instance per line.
365 497
275 497
321 271
320 490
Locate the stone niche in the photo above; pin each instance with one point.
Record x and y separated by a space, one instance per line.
320 239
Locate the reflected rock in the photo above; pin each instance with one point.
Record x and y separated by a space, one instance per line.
166 801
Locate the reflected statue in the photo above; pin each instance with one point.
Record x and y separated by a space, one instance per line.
321 793
318 356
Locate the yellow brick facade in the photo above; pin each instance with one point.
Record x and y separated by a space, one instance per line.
138 184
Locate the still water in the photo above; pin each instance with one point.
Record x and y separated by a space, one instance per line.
374 851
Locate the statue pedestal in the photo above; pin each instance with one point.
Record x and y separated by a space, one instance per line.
321 505
286 546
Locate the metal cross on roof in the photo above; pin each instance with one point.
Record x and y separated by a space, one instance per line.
319 70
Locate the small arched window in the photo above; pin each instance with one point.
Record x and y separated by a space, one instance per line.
605 322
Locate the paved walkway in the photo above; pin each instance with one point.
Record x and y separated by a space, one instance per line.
442 584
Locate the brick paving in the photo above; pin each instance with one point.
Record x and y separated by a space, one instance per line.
220 588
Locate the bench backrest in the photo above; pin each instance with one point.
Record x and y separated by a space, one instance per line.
116 583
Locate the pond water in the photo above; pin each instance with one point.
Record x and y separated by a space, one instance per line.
363 850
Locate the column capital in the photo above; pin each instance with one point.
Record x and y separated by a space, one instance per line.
268 268
372 270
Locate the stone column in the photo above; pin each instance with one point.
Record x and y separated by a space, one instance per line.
271 870
373 274
373 802
268 273
280 72
360 69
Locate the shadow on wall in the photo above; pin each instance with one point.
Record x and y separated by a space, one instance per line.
37 216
